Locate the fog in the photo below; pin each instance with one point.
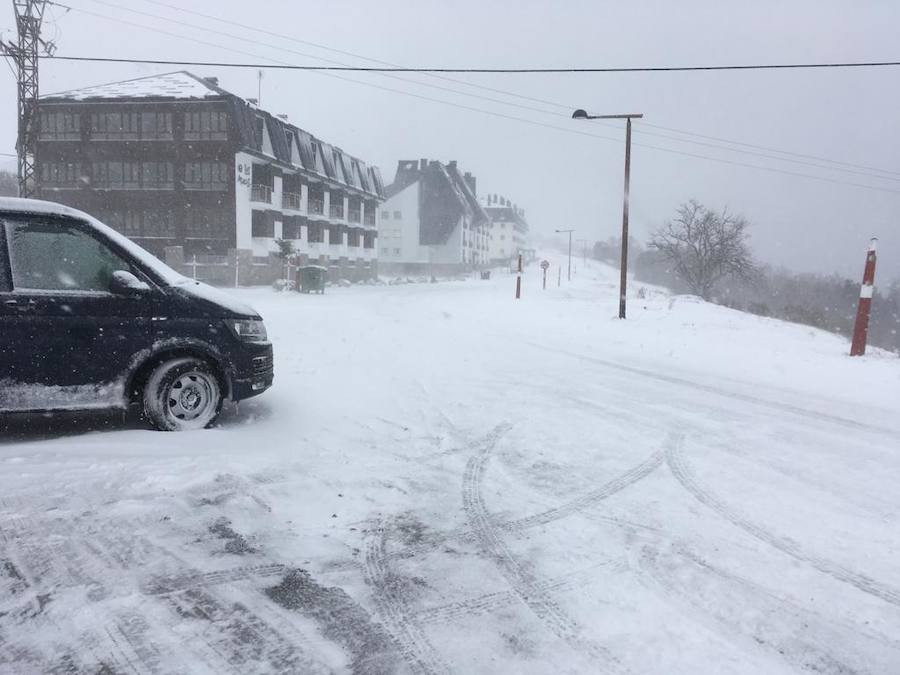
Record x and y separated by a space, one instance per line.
562 176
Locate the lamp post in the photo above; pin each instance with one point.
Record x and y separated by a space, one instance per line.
569 273
623 279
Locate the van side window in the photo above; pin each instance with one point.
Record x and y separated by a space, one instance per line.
52 255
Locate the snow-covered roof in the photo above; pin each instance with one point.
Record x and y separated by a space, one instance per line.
179 85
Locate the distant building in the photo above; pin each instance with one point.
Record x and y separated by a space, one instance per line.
176 161
431 219
508 229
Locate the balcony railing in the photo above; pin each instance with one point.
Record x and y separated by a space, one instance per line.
370 217
290 200
316 205
261 193
337 210
354 216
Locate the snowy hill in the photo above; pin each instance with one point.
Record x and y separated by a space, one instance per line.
444 479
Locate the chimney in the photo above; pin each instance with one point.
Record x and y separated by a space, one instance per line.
470 181
213 81
282 117
253 102
423 163
452 164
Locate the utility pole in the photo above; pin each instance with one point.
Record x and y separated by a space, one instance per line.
569 273
24 53
623 267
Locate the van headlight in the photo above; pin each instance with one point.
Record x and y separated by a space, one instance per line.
248 330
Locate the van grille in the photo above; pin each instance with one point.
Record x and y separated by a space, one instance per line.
262 364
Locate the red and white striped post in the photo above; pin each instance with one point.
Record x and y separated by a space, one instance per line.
519 279
861 329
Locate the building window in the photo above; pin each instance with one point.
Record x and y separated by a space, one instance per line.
353 237
131 126
369 239
386 215
384 250
205 176
291 228
397 215
141 224
60 126
209 224
396 251
263 224
156 126
60 174
315 233
206 125
120 175
115 126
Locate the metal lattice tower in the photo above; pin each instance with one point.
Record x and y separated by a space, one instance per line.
29 16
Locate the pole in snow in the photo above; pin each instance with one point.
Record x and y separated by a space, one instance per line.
861 328
519 279
559 276
545 264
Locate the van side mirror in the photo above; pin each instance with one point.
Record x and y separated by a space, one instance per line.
125 283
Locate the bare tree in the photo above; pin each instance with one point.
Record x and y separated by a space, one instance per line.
705 247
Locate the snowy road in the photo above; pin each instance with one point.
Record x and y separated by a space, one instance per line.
442 481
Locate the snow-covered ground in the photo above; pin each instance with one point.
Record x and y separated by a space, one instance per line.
445 480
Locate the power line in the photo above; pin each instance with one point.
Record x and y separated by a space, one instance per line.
868 173
390 69
282 65
556 104
866 170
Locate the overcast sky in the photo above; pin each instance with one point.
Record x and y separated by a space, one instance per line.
562 177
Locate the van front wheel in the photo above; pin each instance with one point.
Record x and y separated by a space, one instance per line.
182 394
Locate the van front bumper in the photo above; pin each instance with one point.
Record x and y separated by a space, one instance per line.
256 373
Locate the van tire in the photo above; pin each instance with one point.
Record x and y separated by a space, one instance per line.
182 394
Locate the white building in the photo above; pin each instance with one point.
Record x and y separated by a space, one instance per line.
508 229
431 219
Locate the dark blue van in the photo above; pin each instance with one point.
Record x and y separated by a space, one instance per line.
90 320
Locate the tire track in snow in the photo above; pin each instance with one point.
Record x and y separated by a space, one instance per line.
522 582
181 582
588 499
709 389
631 476
394 611
493 601
682 471
745 611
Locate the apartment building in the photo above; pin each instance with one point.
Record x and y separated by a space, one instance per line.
188 170
508 228
431 219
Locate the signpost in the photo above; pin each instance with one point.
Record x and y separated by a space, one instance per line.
519 279
861 329
544 265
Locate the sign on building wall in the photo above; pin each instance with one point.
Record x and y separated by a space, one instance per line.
243 180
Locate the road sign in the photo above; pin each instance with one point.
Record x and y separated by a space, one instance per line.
545 264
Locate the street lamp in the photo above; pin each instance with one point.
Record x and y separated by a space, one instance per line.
569 273
623 279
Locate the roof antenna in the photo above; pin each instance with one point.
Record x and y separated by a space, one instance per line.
259 85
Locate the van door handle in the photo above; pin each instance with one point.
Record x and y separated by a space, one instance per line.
26 308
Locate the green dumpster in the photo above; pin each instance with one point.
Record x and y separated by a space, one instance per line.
311 279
